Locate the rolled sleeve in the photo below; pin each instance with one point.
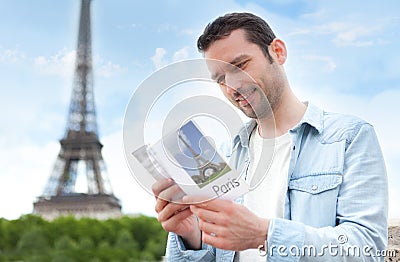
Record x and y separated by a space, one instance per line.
176 251
284 237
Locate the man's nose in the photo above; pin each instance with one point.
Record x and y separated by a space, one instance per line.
231 91
233 83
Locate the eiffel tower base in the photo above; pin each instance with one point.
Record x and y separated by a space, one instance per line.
100 206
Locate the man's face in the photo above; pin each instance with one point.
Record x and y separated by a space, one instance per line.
257 87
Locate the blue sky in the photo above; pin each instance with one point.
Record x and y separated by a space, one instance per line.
343 56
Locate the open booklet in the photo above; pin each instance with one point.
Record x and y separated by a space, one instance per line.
191 160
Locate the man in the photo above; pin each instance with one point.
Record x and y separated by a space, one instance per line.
325 194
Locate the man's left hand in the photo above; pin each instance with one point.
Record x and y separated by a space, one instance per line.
228 225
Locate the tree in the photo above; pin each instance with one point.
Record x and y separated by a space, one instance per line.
65 242
33 241
126 241
156 248
67 239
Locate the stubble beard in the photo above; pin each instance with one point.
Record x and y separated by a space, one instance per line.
266 105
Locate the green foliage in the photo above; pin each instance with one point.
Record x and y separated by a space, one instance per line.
126 241
86 243
33 240
65 242
66 239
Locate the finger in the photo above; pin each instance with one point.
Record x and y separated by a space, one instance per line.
172 193
160 204
170 210
205 214
161 185
194 200
211 228
171 224
213 240
213 205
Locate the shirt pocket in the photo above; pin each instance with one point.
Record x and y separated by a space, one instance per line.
313 199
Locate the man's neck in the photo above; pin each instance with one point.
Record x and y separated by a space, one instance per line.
285 116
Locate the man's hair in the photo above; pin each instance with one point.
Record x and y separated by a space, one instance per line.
256 29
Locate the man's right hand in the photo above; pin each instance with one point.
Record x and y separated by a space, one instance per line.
176 217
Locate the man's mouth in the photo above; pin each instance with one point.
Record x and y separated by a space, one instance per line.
242 99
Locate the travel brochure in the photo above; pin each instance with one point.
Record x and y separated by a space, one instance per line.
188 157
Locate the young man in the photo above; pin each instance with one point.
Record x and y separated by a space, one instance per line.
325 194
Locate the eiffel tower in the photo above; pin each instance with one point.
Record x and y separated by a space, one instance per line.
206 168
80 154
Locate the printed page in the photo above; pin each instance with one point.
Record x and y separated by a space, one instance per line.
188 157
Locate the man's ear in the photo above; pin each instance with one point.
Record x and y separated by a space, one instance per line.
278 49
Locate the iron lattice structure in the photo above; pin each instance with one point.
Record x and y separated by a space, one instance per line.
80 153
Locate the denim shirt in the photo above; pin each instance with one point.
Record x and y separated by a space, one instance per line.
337 197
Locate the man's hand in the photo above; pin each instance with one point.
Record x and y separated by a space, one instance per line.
174 216
227 225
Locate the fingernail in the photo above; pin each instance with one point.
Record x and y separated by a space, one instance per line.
185 199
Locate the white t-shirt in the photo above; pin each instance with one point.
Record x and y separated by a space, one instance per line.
268 181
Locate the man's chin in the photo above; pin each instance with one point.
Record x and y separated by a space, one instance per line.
249 112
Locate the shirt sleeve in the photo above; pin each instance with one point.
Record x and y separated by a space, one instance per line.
176 251
360 233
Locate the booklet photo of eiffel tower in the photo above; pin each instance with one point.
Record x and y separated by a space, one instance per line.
191 159
197 156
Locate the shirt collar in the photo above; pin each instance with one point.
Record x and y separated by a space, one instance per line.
313 116
244 133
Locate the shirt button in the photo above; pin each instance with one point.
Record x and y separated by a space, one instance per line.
314 187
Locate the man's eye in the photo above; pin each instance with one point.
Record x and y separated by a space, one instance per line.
221 80
241 65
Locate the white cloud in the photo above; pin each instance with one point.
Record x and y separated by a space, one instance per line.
187 32
24 173
13 56
167 28
61 64
110 69
158 58
283 2
132 26
298 32
328 64
350 37
348 33
344 33
344 30
181 54
314 15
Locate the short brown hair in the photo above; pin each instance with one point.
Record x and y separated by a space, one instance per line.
256 29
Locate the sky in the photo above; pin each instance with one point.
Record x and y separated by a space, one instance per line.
343 56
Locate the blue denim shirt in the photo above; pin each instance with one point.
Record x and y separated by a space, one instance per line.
337 197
